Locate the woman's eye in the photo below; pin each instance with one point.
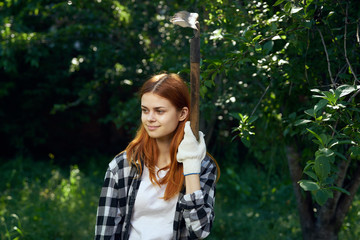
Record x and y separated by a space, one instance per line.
144 110
160 111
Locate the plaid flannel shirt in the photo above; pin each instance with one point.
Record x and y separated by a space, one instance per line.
194 212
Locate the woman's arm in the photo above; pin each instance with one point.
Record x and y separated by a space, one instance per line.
105 226
108 219
192 183
199 205
200 179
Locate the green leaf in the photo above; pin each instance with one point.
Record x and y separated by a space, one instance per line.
333 143
296 9
345 90
330 14
308 2
315 90
322 195
340 190
340 155
302 121
317 136
248 34
235 115
257 38
325 152
252 119
258 47
322 103
322 167
310 112
308 185
243 117
208 83
278 2
325 138
311 174
308 165
268 46
287 7
18 230
318 118
331 97
355 152
341 142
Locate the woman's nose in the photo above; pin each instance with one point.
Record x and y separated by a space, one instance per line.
150 116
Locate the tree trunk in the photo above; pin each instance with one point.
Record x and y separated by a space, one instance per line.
324 233
303 199
319 222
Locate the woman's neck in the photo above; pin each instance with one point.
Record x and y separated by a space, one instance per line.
164 158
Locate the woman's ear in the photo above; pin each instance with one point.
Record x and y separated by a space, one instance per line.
183 113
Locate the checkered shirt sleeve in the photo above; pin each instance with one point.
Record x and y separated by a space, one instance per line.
198 207
112 202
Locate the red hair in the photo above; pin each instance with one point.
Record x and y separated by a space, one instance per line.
143 148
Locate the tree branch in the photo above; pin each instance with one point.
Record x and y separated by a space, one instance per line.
346 200
307 49
354 95
342 70
343 168
327 58
345 50
267 88
357 31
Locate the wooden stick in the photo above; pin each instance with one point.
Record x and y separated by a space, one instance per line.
195 81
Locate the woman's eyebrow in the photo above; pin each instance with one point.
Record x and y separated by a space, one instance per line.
159 107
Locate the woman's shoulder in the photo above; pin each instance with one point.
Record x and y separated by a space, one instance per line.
119 162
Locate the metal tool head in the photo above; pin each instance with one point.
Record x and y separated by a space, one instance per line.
185 19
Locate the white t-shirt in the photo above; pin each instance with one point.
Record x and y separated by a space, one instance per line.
152 216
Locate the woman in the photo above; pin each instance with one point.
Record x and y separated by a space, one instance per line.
163 185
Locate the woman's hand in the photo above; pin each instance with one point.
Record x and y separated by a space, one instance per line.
191 152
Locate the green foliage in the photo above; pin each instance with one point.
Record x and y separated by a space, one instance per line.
349 228
42 201
68 67
58 63
245 128
39 201
252 209
278 52
337 134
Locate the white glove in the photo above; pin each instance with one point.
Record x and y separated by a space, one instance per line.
191 152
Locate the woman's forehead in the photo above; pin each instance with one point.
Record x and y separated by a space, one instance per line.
153 100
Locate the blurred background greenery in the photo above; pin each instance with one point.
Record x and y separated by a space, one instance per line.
69 75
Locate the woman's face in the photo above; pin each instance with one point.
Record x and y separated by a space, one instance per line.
160 117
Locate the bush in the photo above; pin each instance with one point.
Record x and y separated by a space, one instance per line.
40 201
252 205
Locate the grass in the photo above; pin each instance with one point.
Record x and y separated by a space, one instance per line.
249 208
39 200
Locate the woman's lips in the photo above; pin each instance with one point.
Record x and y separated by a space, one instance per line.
152 128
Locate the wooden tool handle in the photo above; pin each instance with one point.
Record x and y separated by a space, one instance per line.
195 81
